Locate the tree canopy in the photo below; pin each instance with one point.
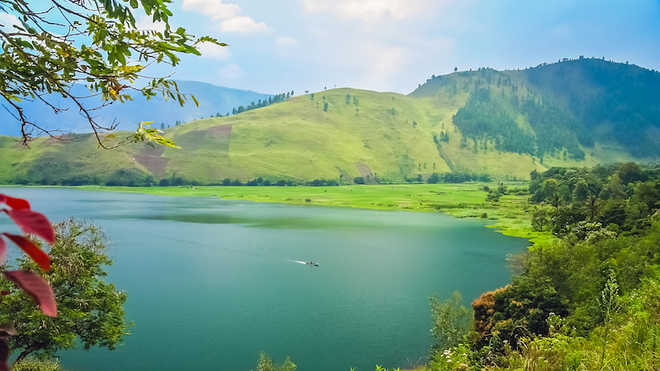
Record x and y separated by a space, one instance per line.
50 46
90 310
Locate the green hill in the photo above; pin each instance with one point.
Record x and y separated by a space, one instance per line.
504 124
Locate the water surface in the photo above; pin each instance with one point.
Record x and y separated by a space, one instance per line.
211 283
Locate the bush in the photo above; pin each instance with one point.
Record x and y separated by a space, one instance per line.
265 363
31 364
450 319
433 179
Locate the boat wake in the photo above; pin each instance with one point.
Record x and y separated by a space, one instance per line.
314 264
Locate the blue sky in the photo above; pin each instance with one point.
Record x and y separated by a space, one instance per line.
392 45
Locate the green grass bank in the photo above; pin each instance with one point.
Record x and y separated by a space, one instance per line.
509 215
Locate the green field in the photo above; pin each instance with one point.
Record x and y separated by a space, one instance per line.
509 216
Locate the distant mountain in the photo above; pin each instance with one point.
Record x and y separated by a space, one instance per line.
570 105
501 123
212 100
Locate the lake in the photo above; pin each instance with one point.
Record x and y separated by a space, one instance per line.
211 283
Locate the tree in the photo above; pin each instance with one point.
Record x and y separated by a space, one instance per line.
50 46
551 192
630 172
265 363
90 309
451 320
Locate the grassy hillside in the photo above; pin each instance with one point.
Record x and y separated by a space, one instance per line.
384 135
504 124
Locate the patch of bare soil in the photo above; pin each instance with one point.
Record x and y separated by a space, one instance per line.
151 158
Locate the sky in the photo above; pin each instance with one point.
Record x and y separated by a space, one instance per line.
394 45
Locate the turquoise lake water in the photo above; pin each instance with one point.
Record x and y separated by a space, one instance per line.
211 283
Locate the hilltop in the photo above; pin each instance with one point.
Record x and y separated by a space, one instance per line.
501 123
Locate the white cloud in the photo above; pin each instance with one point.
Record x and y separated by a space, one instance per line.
242 24
369 10
146 23
384 64
210 50
8 20
227 14
286 41
231 72
215 9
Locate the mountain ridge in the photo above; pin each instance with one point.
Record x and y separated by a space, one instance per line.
573 113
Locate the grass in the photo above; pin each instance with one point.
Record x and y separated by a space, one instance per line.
509 216
387 135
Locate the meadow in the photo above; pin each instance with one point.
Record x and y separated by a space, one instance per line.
510 215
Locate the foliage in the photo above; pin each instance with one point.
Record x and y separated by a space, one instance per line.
457 177
53 45
590 300
619 197
277 98
265 363
146 134
32 286
455 358
33 364
450 321
90 309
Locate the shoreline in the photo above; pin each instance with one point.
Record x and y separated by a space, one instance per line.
510 216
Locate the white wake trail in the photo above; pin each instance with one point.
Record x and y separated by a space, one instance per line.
298 261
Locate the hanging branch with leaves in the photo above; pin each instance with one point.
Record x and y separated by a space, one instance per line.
50 47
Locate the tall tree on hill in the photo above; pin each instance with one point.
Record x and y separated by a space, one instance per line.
49 46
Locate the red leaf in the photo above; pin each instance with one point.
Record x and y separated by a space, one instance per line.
3 251
37 287
14 203
32 222
31 249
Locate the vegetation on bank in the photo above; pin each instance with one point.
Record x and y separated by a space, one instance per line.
588 300
509 213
